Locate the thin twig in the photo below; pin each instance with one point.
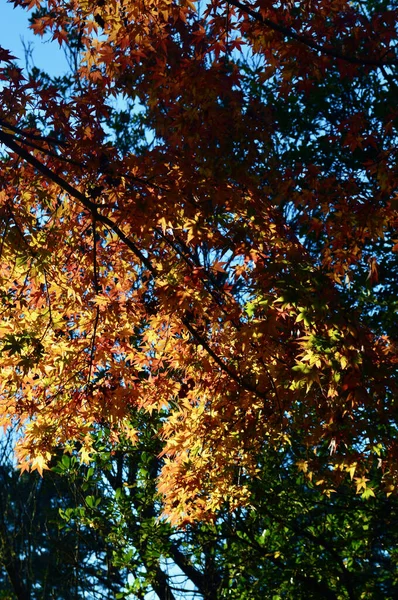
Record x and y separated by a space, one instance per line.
97 311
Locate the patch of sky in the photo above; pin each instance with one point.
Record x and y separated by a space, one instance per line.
19 39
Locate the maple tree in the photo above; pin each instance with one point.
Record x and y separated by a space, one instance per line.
224 269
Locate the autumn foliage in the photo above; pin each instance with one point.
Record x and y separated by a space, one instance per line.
221 273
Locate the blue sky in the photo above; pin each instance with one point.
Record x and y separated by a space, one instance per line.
14 29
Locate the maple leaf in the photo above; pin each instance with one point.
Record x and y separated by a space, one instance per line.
40 463
5 55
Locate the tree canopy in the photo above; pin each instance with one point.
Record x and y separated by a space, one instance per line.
199 222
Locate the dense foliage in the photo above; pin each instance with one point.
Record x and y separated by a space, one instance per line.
198 272
94 532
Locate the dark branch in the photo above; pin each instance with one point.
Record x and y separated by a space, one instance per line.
303 39
8 140
32 136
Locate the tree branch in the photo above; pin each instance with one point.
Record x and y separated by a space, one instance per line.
303 39
8 141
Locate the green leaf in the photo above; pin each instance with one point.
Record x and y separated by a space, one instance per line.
90 501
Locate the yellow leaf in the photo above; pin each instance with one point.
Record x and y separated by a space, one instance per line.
351 470
39 464
84 455
101 300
